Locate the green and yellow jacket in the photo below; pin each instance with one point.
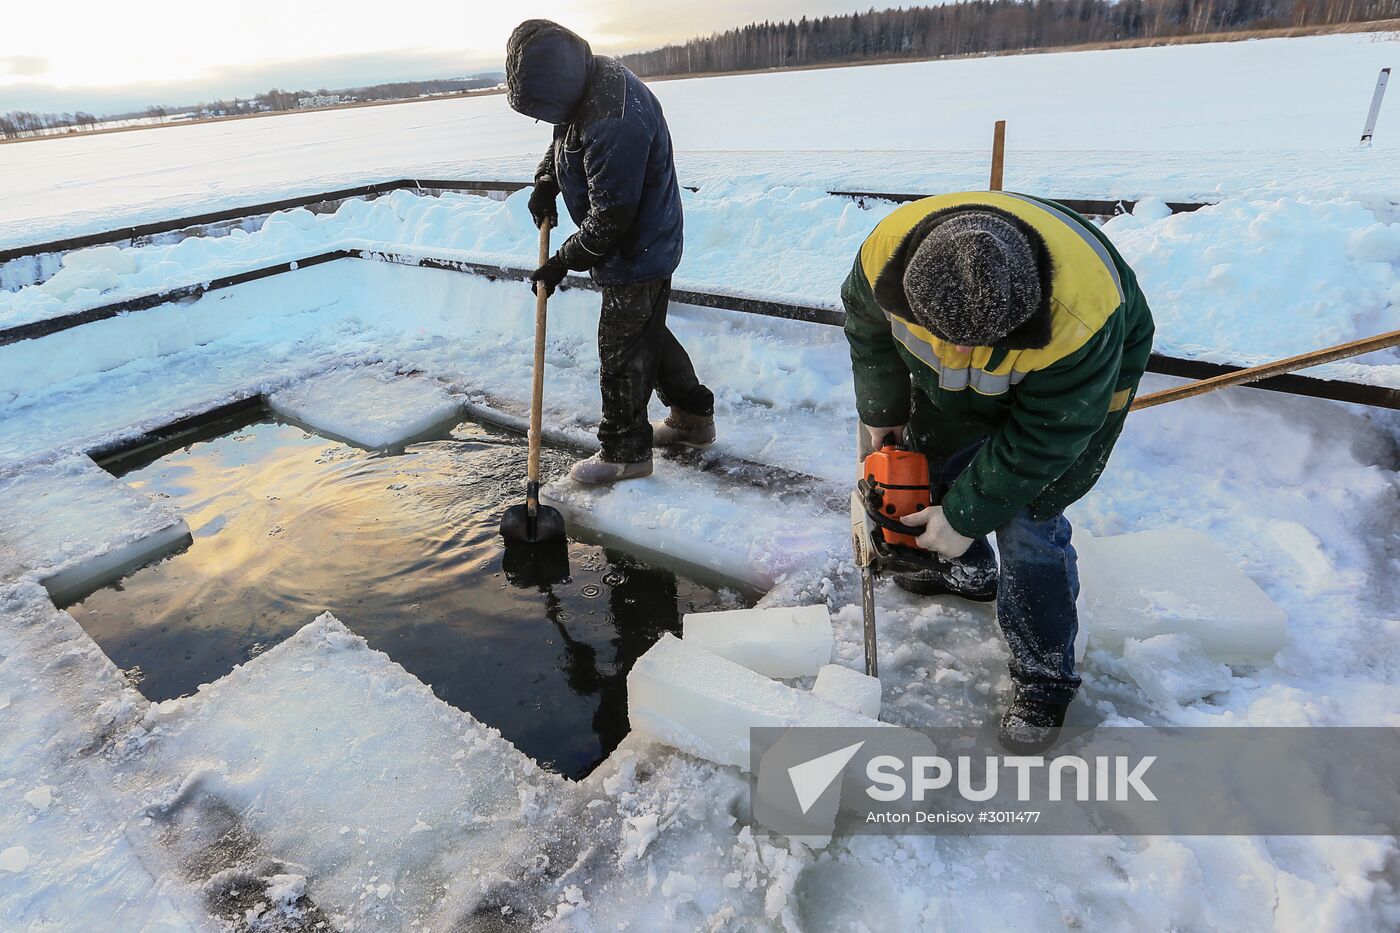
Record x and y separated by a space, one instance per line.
1050 399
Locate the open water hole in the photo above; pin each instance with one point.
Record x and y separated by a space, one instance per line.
404 549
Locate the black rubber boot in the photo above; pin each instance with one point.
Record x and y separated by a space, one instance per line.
1032 723
972 576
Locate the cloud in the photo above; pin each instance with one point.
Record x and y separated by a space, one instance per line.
24 66
227 81
639 25
613 26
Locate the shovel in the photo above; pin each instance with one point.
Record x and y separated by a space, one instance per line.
537 551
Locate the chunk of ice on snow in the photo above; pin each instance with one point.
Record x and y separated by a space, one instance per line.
369 405
1176 580
678 514
296 753
78 526
14 859
681 695
849 689
779 641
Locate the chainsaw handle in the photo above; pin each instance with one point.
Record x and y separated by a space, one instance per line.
892 525
879 519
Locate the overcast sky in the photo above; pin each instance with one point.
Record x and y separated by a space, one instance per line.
108 55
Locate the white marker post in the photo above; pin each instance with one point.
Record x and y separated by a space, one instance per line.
1370 129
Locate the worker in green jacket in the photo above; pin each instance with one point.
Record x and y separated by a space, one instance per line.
1004 337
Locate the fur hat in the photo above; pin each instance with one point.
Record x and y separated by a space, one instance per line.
976 276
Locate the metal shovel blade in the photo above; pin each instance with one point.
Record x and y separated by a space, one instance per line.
547 527
537 551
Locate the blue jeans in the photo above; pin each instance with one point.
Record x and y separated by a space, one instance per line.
1036 589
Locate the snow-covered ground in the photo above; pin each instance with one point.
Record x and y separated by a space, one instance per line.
1180 122
321 782
651 839
1244 281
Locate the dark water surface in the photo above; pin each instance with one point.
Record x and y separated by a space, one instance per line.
404 550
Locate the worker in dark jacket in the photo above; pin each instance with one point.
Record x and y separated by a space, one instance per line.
611 158
1004 337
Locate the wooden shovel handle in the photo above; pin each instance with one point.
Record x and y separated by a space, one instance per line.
1277 368
537 396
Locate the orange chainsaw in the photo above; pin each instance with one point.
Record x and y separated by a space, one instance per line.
894 482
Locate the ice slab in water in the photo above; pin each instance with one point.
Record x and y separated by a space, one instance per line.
400 810
1176 580
681 695
737 533
369 405
780 641
77 526
849 689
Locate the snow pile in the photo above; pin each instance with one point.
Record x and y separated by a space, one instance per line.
1175 581
104 274
76 526
812 235
1247 281
1244 281
369 406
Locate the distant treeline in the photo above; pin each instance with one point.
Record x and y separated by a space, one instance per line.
974 27
23 123
277 99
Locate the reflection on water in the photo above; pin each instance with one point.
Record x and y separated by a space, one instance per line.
404 550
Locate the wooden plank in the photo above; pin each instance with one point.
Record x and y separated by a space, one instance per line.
998 154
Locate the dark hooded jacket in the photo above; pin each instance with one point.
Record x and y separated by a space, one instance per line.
611 154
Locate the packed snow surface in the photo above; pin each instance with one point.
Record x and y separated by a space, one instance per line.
1181 121
264 799
1310 522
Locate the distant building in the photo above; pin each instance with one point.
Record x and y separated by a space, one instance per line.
318 100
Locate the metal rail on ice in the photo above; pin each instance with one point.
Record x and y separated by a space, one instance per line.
1292 384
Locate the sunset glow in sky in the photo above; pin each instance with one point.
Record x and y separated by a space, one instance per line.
102 56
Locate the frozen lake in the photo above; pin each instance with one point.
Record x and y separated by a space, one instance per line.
1170 121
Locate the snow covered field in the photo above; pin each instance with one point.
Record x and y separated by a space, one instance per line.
276 796
1178 122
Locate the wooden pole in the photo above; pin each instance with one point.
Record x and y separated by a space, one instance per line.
532 489
998 153
1278 367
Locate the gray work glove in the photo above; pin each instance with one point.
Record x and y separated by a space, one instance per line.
938 536
869 439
